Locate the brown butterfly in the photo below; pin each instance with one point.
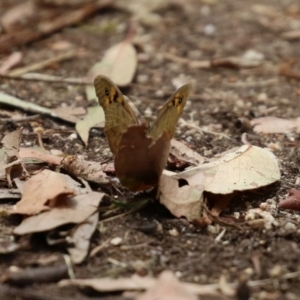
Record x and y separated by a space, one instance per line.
140 150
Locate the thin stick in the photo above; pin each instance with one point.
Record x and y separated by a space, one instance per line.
44 63
10 40
47 78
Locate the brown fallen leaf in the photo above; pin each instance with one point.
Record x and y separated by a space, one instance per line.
42 190
167 286
292 202
275 125
74 210
81 238
143 169
88 170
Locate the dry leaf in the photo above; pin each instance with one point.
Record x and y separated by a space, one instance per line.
70 113
135 282
94 116
275 125
81 238
11 61
17 14
292 202
185 201
143 169
45 157
74 210
11 145
248 167
88 170
41 191
168 286
118 63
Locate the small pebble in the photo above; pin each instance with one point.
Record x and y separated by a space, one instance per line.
263 206
72 136
148 112
209 29
276 271
142 78
262 97
143 57
289 227
159 94
173 232
211 229
116 241
106 152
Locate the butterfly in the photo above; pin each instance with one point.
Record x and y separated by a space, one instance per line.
137 146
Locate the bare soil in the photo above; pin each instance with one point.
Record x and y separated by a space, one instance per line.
193 254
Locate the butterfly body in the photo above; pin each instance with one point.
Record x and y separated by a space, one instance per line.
140 150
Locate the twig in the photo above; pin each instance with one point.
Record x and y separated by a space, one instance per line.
19 120
222 135
47 78
98 248
254 84
44 63
69 266
11 40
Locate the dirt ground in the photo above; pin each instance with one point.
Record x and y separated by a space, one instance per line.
221 96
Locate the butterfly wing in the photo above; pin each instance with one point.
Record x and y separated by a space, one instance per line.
170 113
118 114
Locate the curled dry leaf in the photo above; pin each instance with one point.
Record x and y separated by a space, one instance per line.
81 238
248 167
143 169
45 157
74 210
292 202
88 170
275 125
42 190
